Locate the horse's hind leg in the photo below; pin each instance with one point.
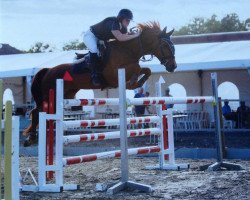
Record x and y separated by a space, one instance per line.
31 131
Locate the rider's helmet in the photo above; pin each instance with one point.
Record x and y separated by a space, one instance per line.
125 14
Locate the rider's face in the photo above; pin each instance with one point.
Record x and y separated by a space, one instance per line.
125 22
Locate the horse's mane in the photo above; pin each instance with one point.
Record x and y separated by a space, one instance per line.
152 25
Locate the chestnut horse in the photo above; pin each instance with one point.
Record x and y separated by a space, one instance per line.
126 55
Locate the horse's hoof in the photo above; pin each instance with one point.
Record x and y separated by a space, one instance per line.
26 143
30 140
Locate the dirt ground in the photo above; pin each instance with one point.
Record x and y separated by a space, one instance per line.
185 184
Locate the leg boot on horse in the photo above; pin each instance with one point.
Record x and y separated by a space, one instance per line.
30 132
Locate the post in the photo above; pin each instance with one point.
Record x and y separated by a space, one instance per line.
170 139
219 164
166 138
59 132
124 183
217 118
50 134
162 139
123 126
223 144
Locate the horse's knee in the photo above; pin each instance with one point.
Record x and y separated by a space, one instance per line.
146 71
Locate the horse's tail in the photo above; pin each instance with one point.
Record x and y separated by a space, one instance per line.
36 91
36 88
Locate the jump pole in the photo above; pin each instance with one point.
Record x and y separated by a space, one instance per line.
220 164
124 182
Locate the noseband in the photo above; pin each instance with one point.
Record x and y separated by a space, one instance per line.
170 45
163 41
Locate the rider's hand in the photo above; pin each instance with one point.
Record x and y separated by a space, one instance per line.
138 33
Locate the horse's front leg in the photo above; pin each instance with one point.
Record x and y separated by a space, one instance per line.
146 74
135 83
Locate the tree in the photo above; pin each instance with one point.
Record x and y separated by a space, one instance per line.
39 47
74 45
212 25
232 23
200 25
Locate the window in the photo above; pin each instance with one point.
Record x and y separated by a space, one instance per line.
177 90
228 90
8 95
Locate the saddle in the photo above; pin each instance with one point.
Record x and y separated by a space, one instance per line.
83 64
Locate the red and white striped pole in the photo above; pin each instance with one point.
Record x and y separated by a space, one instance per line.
109 135
109 154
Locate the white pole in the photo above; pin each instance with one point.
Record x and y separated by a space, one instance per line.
42 150
124 183
159 113
123 126
171 136
59 132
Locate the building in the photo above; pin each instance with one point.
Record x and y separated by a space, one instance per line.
197 56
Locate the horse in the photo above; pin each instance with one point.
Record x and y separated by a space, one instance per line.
127 54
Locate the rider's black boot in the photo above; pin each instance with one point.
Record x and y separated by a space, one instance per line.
94 60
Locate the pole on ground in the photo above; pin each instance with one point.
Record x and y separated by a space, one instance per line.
124 183
219 164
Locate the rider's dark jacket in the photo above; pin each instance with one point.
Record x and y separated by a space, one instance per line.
102 30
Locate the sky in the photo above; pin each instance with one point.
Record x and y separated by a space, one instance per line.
24 22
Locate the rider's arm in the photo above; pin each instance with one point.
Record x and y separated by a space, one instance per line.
124 37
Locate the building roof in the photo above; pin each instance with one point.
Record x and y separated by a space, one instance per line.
209 56
189 57
6 49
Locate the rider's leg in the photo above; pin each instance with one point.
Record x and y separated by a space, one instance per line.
94 60
91 43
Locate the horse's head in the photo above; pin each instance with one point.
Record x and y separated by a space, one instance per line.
166 50
159 44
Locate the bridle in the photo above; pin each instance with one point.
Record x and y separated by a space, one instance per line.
163 41
170 45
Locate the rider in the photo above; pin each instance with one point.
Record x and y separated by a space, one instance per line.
109 28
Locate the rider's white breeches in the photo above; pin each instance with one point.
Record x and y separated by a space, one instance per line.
90 41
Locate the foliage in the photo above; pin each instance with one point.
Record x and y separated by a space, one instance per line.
200 25
74 45
39 47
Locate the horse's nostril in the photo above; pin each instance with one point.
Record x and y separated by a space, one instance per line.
170 68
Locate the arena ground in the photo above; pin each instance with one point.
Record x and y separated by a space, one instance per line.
186 184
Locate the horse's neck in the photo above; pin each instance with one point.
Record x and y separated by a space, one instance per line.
141 46
148 41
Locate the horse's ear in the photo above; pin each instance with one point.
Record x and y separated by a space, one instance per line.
170 33
163 33
164 30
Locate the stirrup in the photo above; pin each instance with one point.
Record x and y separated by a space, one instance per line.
95 81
